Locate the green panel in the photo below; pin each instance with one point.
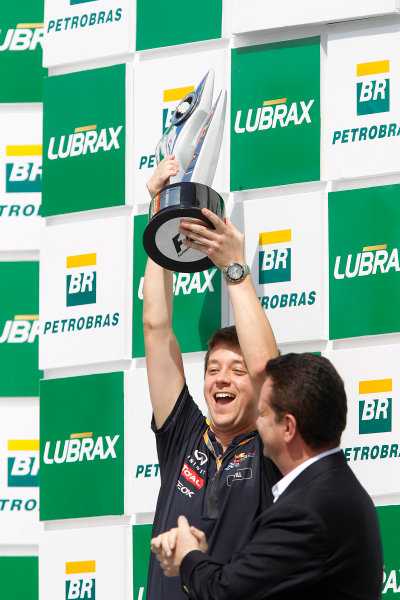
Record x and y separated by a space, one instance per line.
92 404
389 521
141 536
364 287
19 335
19 578
21 51
267 150
158 24
197 313
90 164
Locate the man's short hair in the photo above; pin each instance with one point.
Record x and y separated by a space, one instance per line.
225 335
308 387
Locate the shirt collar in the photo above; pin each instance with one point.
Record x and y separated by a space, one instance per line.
283 483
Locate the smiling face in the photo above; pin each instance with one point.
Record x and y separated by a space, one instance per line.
228 391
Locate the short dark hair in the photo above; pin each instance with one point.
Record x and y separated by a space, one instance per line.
308 387
225 335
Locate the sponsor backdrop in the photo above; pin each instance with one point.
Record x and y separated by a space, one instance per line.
309 170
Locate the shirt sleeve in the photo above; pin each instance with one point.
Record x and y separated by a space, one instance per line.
285 555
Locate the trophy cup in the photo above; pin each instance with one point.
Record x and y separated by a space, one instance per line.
195 137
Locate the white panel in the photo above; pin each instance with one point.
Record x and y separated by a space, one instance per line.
152 79
20 177
106 546
146 478
255 15
85 30
363 144
288 275
19 499
87 332
374 455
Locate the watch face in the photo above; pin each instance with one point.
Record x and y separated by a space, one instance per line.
235 271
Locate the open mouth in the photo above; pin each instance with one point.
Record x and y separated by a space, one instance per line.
222 398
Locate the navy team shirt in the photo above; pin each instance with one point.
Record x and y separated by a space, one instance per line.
219 493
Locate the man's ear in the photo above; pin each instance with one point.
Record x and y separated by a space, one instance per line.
290 430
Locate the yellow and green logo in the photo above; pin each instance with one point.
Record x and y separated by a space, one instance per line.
373 91
375 407
23 463
23 168
80 580
81 285
274 257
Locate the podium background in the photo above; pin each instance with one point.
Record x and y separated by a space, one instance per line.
309 170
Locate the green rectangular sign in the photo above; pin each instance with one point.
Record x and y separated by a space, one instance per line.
389 522
21 34
19 577
82 446
157 25
364 269
84 141
19 328
141 536
275 114
197 301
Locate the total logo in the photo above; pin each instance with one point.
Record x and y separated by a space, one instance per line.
80 580
374 417
171 98
191 476
80 447
273 113
373 97
371 261
25 36
83 140
275 266
23 463
22 329
186 283
23 175
81 285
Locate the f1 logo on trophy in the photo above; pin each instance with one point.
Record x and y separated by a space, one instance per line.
195 137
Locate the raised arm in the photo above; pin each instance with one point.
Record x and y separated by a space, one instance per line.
224 245
163 356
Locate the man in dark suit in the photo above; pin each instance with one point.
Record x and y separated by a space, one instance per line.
320 539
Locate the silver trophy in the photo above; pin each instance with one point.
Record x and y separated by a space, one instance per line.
195 137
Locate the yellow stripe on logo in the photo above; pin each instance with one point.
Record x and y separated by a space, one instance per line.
373 68
81 260
275 237
370 248
86 128
24 150
177 93
23 445
75 436
82 566
270 102
375 386
30 25
26 318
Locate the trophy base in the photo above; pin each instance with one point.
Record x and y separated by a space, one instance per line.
162 240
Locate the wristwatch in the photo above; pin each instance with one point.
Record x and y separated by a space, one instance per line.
235 272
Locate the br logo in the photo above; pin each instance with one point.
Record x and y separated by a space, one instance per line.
23 174
23 463
373 90
81 284
80 582
274 260
375 412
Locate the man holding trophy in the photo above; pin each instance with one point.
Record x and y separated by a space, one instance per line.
212 471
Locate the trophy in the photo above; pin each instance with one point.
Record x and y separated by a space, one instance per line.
195 137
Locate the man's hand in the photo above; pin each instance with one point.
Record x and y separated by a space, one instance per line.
172 546
167 168
223 245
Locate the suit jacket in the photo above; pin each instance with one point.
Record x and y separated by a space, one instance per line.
319 541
